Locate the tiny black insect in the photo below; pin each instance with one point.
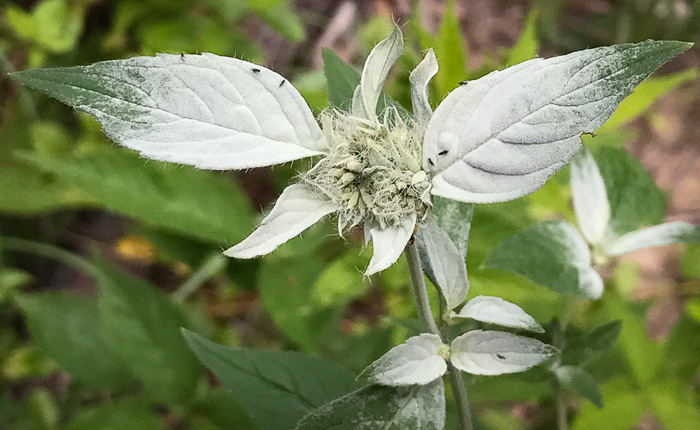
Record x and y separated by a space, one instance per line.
182 57
255 70
463 82
431 162
282 83
444 152
501 356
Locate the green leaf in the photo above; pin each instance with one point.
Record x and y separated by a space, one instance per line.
527 46
276 388
53 25
382 408
584 349
67 328
340 78
451 53
624 407
178 198
143 327
552 254
280 17
674 404
634 198
455 218
580 381
11 280
646 94
288 294
221 410
133 414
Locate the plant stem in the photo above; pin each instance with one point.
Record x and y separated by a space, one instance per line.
560 403
559 341
49 251
420 293
212 265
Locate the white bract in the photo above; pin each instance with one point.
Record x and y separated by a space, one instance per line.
496 139
494 310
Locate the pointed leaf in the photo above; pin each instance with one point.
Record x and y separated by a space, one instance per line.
203 110
580 381
494 310
298 208
451 52
388 244
420 78
382 408
443 263
374 73
502 136
527 46
658 235
181 199
340 78
276 388
495 353
415 362
552 254
590 198
455 219
583 349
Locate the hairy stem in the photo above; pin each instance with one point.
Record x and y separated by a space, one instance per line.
420 293
212 266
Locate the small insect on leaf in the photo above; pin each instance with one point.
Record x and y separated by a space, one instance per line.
255 70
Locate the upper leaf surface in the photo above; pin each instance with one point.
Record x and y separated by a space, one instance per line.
552 254
203 110
494 310
502 136
376 407
276 388
415 362
590 198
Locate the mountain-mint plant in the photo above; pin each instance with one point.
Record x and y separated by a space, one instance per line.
394 175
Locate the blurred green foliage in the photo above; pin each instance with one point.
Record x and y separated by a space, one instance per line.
112 356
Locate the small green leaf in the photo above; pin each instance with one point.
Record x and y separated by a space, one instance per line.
280 17
623 408
143 327
133 414
580 381
276 388
584 349
527 46
53 25
67 328
11 280
552 254
340 78
451 53
646 94
178 198
634 198
382 408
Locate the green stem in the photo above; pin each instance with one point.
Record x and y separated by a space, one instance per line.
560 402
559 341
49 251
211 266
420 293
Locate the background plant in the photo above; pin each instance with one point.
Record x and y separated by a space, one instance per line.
58 171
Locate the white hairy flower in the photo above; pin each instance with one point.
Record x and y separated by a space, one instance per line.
494 139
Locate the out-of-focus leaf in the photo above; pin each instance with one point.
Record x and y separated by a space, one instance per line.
276 388
11 280
143 327
658 235
177 198
42 407
341 281
451 53
133 414
634 198
527 46
67 327
382 408
624 406
583 349
221 410
279 16
53 24
674 404
552 254
646 94
580 381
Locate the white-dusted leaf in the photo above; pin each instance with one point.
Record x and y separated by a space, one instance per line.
204 110
420 78
494 310
495 353
589 195
502 136
658 235
388 244
374 73
297 209
443 263
415 362
552 254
